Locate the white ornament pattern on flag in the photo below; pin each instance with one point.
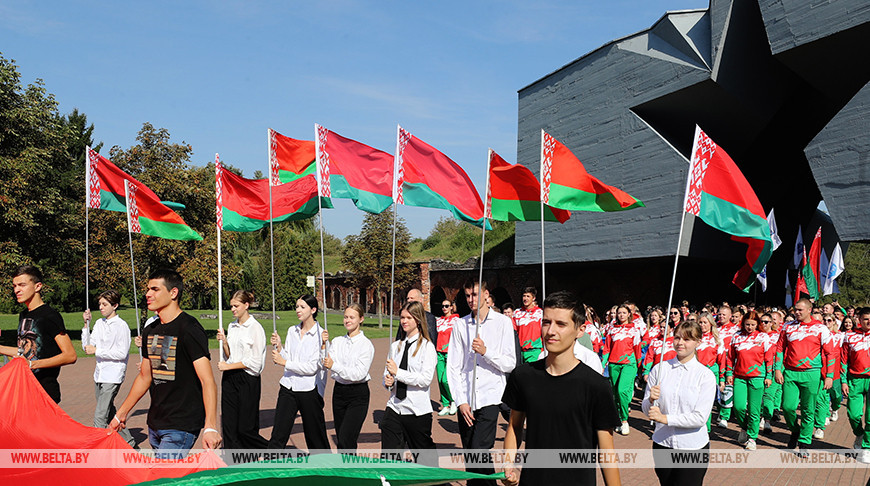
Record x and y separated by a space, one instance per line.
273 159
488 201
219 190
93 180
133 209
549 146
700 161
323 161
404 138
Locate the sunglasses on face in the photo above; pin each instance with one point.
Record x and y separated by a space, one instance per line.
445 305
675 313
765 322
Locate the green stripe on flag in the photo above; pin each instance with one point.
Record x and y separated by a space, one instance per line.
112 201
422 196
518 210
364 200
286 176
733 219
576 200
171 231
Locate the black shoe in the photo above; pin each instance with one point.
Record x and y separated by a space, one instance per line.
802 451
793 440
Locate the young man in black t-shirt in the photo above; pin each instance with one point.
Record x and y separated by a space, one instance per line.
176 371
564 404
42 337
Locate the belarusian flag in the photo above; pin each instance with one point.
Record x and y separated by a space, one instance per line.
427 178
147 215
567 185
289 159
352 170
718 193
243 204
105 183
515 194
810 270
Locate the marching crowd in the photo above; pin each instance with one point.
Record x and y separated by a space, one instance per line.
561 375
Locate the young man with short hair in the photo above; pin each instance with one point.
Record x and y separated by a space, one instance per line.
42 337
527 324
177 373
487 337
568 405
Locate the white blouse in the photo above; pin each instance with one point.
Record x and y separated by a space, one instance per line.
111 337
247 344
303 370
418 376
351 359
687 393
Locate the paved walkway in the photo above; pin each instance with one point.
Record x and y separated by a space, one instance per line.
78 401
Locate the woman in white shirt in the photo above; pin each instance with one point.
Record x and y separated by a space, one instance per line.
408 375
245 350
109 341
350 358
303 382
679 396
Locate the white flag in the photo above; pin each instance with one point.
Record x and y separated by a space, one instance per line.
762 278
788 296
834 269
774 236
798 249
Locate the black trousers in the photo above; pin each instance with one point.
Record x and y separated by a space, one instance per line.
310 405
350 405
680 476
480 435
240 411
415 430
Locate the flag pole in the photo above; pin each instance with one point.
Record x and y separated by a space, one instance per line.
218 221
480 278
87 337
322 260
132 264
543 259
395 218
273 176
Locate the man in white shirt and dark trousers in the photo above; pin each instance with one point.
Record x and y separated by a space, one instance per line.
487 339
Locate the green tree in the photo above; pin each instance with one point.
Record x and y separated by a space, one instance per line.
368 255
855 281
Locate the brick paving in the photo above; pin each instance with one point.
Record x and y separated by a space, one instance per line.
78 401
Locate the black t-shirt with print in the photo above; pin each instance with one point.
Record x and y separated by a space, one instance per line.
562 412
37 330
176 392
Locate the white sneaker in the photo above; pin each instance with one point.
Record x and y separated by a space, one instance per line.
750 445
819 433
834 415
624 428
722 423
444 411
761 423
827 421
453 408
743 437
863 456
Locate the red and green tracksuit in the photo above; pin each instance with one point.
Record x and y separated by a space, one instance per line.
637 320
622 357
527 324
594 336
712 355
772 399
855 364
831 400
445 328
750 362
805 356
654 354
726 332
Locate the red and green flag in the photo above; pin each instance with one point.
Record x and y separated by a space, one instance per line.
718 193
289 159
810 270
104 183
427 178
567 185
351 170
148 216
515 194
243 204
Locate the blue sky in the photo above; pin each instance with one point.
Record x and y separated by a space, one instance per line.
218 74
